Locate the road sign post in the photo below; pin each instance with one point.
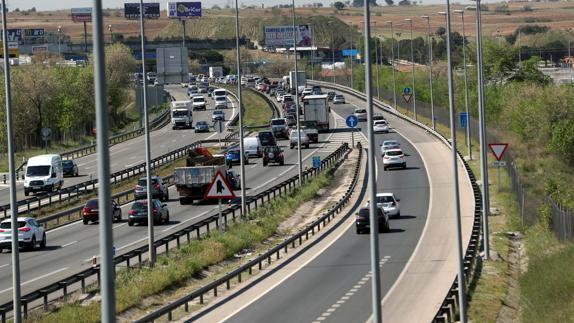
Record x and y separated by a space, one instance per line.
46 133
352 122
219 128
498 150
463 120
407 94
219 189
316 162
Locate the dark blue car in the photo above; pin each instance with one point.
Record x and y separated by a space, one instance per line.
232 157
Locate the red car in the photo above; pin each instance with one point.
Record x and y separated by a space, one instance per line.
90 212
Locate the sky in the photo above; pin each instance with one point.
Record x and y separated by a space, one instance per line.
67 4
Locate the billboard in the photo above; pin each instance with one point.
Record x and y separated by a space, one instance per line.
132 10
283 35
183 9
13 50
14 35
35 32
81 14
350 52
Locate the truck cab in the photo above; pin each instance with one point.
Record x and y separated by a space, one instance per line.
181 115
198 103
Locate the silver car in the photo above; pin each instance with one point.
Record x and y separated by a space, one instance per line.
339 99
361 114
390 203
293 139
30 234
389 144
394 158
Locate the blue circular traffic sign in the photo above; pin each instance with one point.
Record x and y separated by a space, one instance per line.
407 90
352 121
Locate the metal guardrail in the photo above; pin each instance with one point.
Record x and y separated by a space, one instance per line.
450 305
206 225
293 241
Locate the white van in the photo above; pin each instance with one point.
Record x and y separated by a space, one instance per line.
218 93
252 147
181 114
43 173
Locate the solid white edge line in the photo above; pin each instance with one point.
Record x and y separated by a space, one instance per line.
35 279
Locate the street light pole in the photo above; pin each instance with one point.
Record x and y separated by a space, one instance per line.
352 56
459 253
333 54
16 292
59 40
520 48
430 72
377 63
393 65
312 53
240 99
299 157
111 34
150 223
468 139
482 132
413 71
372 187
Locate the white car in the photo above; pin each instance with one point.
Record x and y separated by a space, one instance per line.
293 139
30 234
390 203
361 114
221 102
339 99
394 158
389 144
380 126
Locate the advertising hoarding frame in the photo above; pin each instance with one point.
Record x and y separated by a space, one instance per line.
81 14
283 36
134 10
184 9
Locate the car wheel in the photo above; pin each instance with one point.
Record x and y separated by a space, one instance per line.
131 223
359 231
85 222
384 168
26 193
264 164
387 226
167 218
307 146
43 243
398 215
32 245
281 163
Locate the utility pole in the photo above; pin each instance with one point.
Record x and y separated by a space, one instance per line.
468 139
299 156
59 40
393 65
240 99
429 39
352 56
413 71
377 63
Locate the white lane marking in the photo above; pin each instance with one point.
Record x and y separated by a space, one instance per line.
119 226
135 163
5 265
69 244
182 222
63 227
264 184
129 244
35 279
119 151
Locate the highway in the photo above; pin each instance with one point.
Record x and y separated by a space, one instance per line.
71 247
132 152
333 282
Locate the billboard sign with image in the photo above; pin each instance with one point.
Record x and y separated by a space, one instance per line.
132 10
283 35
184 9
82 14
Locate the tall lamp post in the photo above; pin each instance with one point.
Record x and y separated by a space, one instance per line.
482 134
330 23
459 250
413 70
393 65
59 40
429 39
240 103
299 156
111 34
377 63
352 56
468 139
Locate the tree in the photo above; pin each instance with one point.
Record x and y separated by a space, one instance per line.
404 3
119 65
339 5
389 2
529 72
360 3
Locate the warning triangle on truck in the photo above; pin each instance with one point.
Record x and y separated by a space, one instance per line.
498 149
219 188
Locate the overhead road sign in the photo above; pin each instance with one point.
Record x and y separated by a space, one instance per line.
132 10
352 121
350 52
184 9
219 188
82 14
498 149
14 35
34 32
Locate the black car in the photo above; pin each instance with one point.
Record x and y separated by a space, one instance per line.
138 212
273 154
267 138
363 218
70 168
331 95
91 211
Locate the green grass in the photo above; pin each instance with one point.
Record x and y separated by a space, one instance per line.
257 112
188 262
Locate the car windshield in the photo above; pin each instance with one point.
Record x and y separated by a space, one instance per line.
140 206
92 204
381 123
364 212
394 153
43 170
198 99
180 113
278 122
217 112
67 163
143 181
385 199
360 111
273 149
201 123
233 152
8 224
390 143
220 98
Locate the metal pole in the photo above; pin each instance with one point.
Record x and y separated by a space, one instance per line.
430 71
520 48
12 173
59 40
147 144
468 139
482 133
85 38
413 71
220 216
570 60
107 269
183 37
299 157
312 53
459 254
333 54
352 56
239 98
111 34
372 188
393 65
377 63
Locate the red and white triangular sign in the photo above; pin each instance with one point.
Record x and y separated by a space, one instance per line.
219 188
498 150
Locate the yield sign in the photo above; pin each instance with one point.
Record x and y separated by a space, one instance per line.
498 150
219 188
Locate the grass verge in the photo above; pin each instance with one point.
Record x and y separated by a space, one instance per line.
188 262
257 111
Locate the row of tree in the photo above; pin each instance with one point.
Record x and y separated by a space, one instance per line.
47 95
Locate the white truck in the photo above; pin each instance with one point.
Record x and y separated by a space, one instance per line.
181 115
215 71
198 103
301 80
316 109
